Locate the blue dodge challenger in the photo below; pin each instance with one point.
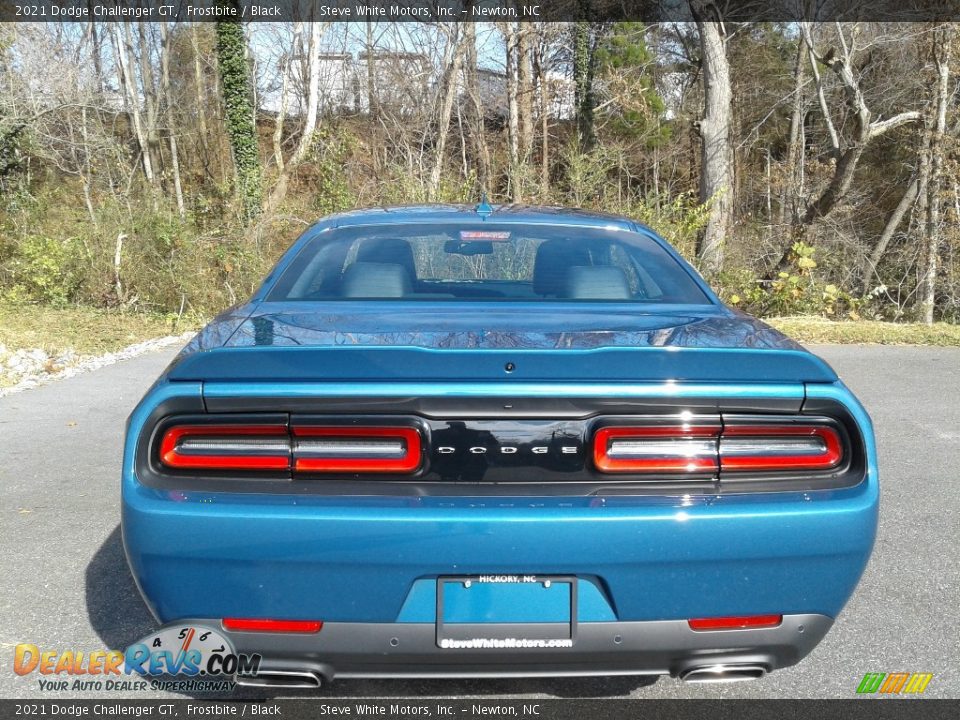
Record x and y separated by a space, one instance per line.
457 441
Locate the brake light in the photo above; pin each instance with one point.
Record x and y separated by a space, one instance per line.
302 448
277 626
226 447
656 449
356 449
736 623
748 445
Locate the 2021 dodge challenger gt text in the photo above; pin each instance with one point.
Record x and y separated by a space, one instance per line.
450 441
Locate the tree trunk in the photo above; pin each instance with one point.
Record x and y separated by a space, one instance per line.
281 112
893 222
475 110
171 124
583 85
149 90
199 87
131 100
716 150
95 51
941 52
510 34
373 98
792 194
540 68
373 101
241 126
85 170
446 109
312 50
524 91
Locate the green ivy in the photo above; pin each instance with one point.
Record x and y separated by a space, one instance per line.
237 92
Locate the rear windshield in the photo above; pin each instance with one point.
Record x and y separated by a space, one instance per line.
486 262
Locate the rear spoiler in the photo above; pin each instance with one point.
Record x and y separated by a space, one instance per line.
388 363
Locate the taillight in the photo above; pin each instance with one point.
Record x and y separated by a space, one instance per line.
656 449
738 446
779 447
356 449
301 448
226 447
747 622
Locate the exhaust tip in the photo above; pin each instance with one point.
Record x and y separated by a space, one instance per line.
306 679
722 673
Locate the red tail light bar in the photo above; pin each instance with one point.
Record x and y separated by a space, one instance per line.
303 448
749 622
226 447
692 448
277 626
353 449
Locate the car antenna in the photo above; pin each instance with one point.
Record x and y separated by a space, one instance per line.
484 208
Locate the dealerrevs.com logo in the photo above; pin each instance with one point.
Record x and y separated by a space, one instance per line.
177 657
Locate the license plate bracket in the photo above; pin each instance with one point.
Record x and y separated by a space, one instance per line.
506 611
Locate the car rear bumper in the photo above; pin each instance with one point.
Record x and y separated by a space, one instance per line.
408 650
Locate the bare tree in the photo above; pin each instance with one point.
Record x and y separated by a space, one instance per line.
307 38
454 53
474 110
889 230
524 59
124 63
942 48
309 34
171 124
793 187
513 112
284 68
716 148
846 151
540 70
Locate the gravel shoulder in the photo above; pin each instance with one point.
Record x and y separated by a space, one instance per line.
25 369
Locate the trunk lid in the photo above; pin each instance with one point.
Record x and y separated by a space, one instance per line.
377 342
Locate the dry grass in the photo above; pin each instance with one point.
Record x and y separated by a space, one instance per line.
87 331
818 330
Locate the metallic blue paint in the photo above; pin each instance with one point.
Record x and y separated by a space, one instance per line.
376 558
340 559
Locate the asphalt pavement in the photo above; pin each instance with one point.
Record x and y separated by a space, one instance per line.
65 583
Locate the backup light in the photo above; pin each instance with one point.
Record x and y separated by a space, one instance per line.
656 449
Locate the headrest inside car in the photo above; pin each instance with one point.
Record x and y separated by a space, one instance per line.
596 283
551 263
392 251
376 280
